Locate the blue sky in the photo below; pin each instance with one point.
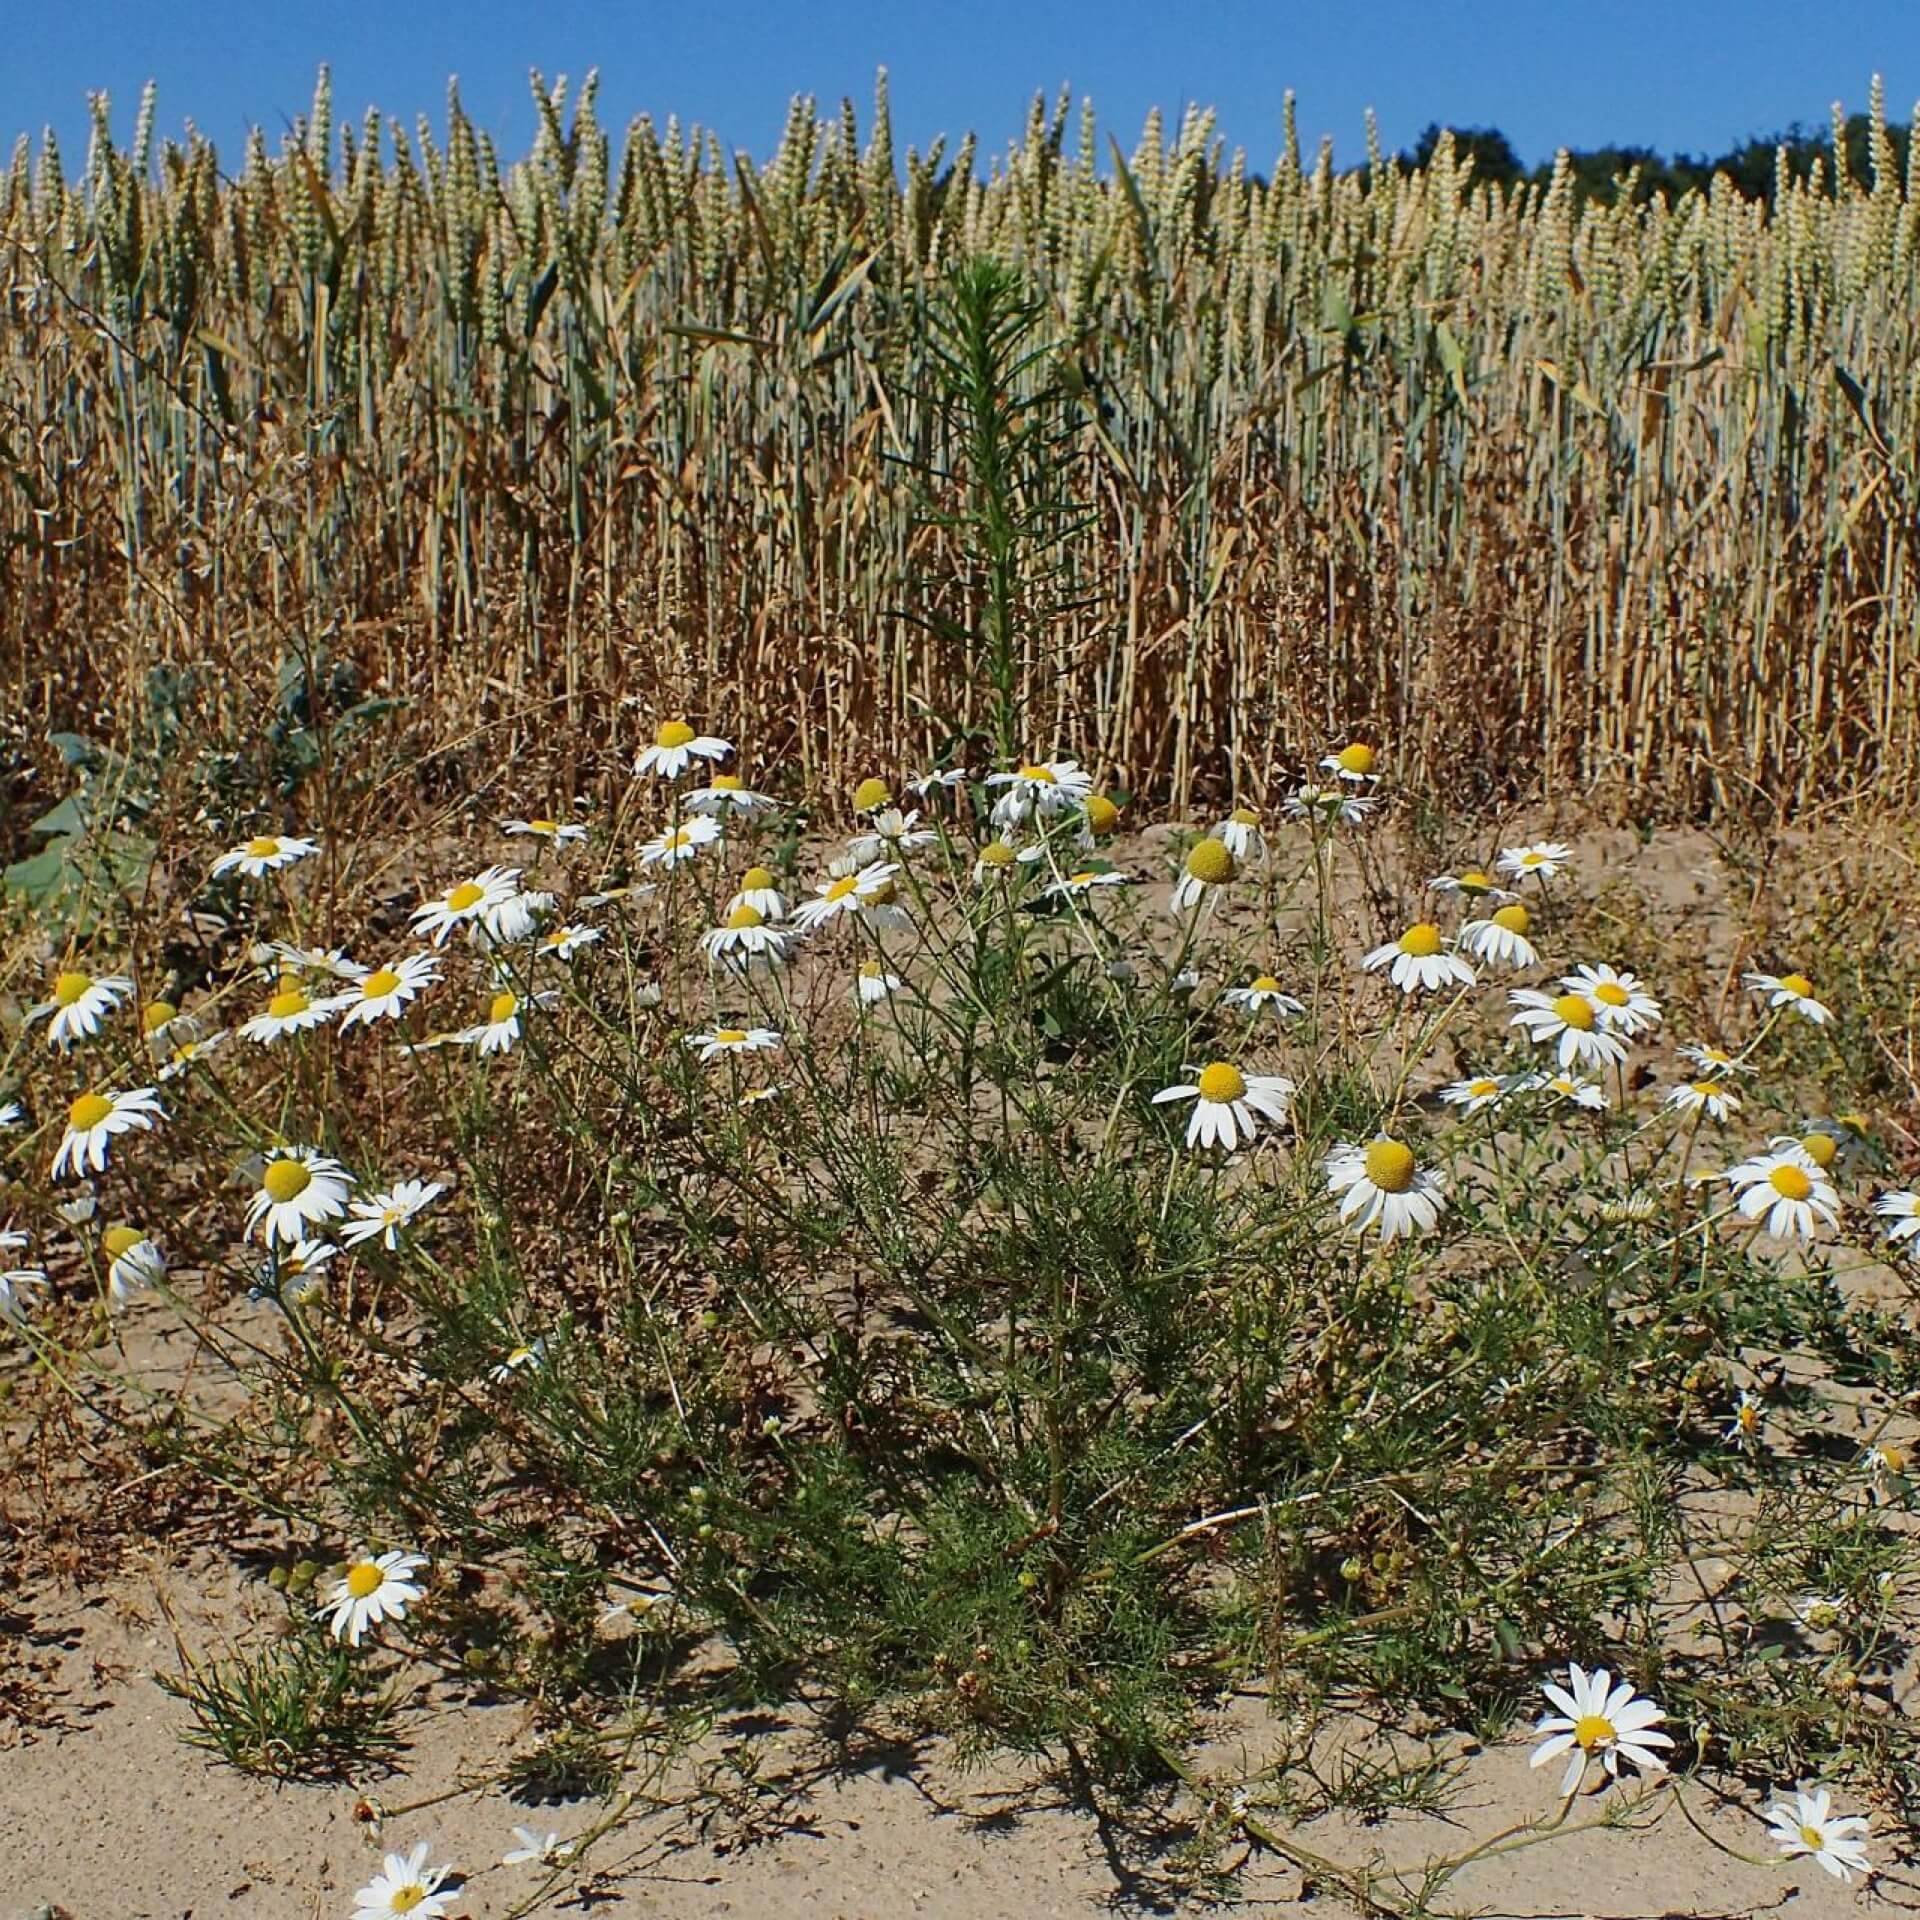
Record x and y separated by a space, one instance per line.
1696 76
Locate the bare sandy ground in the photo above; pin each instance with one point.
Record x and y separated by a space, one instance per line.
106 1816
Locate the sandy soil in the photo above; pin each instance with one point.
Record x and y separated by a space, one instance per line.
104 1815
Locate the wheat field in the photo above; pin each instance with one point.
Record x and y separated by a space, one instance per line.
1610 498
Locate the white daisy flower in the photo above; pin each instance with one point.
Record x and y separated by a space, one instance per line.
676 844
846 893
467 904
386 992
995 861
1902 1211
760 890
563 942
513 919
12 1114
1208 867
1572 1022
727 794
1040 789
18 1285
1793 990
1540 860
500 1031
265 853
1501 938
1808 1828
874 983
1418 961
1565 1086
1476 1096
1083 880
368 1593
298 1188
1381 1186
1329 806
1715 1062
1261 993
78 1004
1749 1415
97 1118
291 1275
717 1041
1354 762
1229 1104
675 748
889 833
1473 884
405 1888
290 1011
135 1264
187 1052
520 1359
382 1216
279 958
1241 834
920 785
1624 1005
1818 1612
1887 1466
555 832
745 940
1713 1098
536 1850
1787 1191
1598 1717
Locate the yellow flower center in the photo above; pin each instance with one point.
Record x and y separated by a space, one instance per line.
730 1036
1102 815
1516 919
1820 1148
746 915
157 1015
286 1180
378 984
673 733
1611 993
1574 1010
1244 817
1790 1183
843 886
1474 881
872 970
1708 1089
1210 863
1084 878
1222 1084
501 1009
405 1899
467 894
118 1240
263 846
363 1578
1592 1730
1355 758
1798 984
1265 984
996 853
544 826
1812 1839
726 783
1893 1459
1422 941
1483 1089
872 792
1390 1166
1041 776
88 1111
70 987
284 1005
883 895
756 880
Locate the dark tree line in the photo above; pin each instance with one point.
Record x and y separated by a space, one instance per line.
1600 172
